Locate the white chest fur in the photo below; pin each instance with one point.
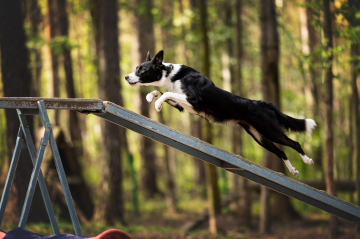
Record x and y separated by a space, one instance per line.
166 82
174 87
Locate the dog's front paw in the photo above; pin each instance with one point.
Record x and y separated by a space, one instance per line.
158 105
149 97
152 95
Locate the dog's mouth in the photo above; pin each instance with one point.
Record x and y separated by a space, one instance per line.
133 83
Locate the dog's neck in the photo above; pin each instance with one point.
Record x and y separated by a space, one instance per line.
165 80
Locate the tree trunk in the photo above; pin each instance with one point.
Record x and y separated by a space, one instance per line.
310 43
168 38
16 80
212 186
271 93
199 169
243 186
170 193
169 155
354 6
146 38
269 66
328 102
350 139
35 17
52 20
110 207
195 121
355 75
74 124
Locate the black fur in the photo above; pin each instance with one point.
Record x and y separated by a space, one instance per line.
221 106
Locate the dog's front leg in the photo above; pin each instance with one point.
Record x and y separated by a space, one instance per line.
156 94
162 99
180 98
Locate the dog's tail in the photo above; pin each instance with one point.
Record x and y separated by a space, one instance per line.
293 124
298 125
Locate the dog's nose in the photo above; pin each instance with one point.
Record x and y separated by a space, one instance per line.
127 78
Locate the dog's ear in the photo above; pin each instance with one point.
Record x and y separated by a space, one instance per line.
158 59
148 58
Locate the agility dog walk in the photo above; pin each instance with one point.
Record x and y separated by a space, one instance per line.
163 134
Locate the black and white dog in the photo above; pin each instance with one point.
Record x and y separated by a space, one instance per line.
188 89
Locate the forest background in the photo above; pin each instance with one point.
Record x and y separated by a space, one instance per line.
301 55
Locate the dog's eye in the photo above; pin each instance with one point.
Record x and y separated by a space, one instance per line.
142 70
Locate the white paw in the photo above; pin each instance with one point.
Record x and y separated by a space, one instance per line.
294 172
158 105
152 95
291 168
307 160
149 97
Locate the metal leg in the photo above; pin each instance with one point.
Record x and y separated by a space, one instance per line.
61 172
11 173
41 180
34 176
65 186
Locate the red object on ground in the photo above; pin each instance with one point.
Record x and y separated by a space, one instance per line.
113 234
21 233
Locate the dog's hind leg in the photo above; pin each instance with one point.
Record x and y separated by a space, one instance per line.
270 146
267 144
284 140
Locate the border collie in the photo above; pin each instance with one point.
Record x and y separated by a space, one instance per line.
188 89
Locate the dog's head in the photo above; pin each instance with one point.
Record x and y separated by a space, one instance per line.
147 72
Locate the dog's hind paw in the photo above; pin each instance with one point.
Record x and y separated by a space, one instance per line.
294 171
307 160
291 168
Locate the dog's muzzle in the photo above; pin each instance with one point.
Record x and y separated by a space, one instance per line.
132 79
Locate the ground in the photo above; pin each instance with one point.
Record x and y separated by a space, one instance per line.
165 228
155 222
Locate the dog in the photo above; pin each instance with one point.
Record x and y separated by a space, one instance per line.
187 89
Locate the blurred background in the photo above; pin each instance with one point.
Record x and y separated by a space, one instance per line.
301 55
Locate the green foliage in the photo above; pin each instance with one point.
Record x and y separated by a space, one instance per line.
34 41
61 42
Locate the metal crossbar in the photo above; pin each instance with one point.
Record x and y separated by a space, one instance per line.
185 143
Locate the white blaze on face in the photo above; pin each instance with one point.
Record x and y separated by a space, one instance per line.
133 78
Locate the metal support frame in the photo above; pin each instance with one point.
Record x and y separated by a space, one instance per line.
37 157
